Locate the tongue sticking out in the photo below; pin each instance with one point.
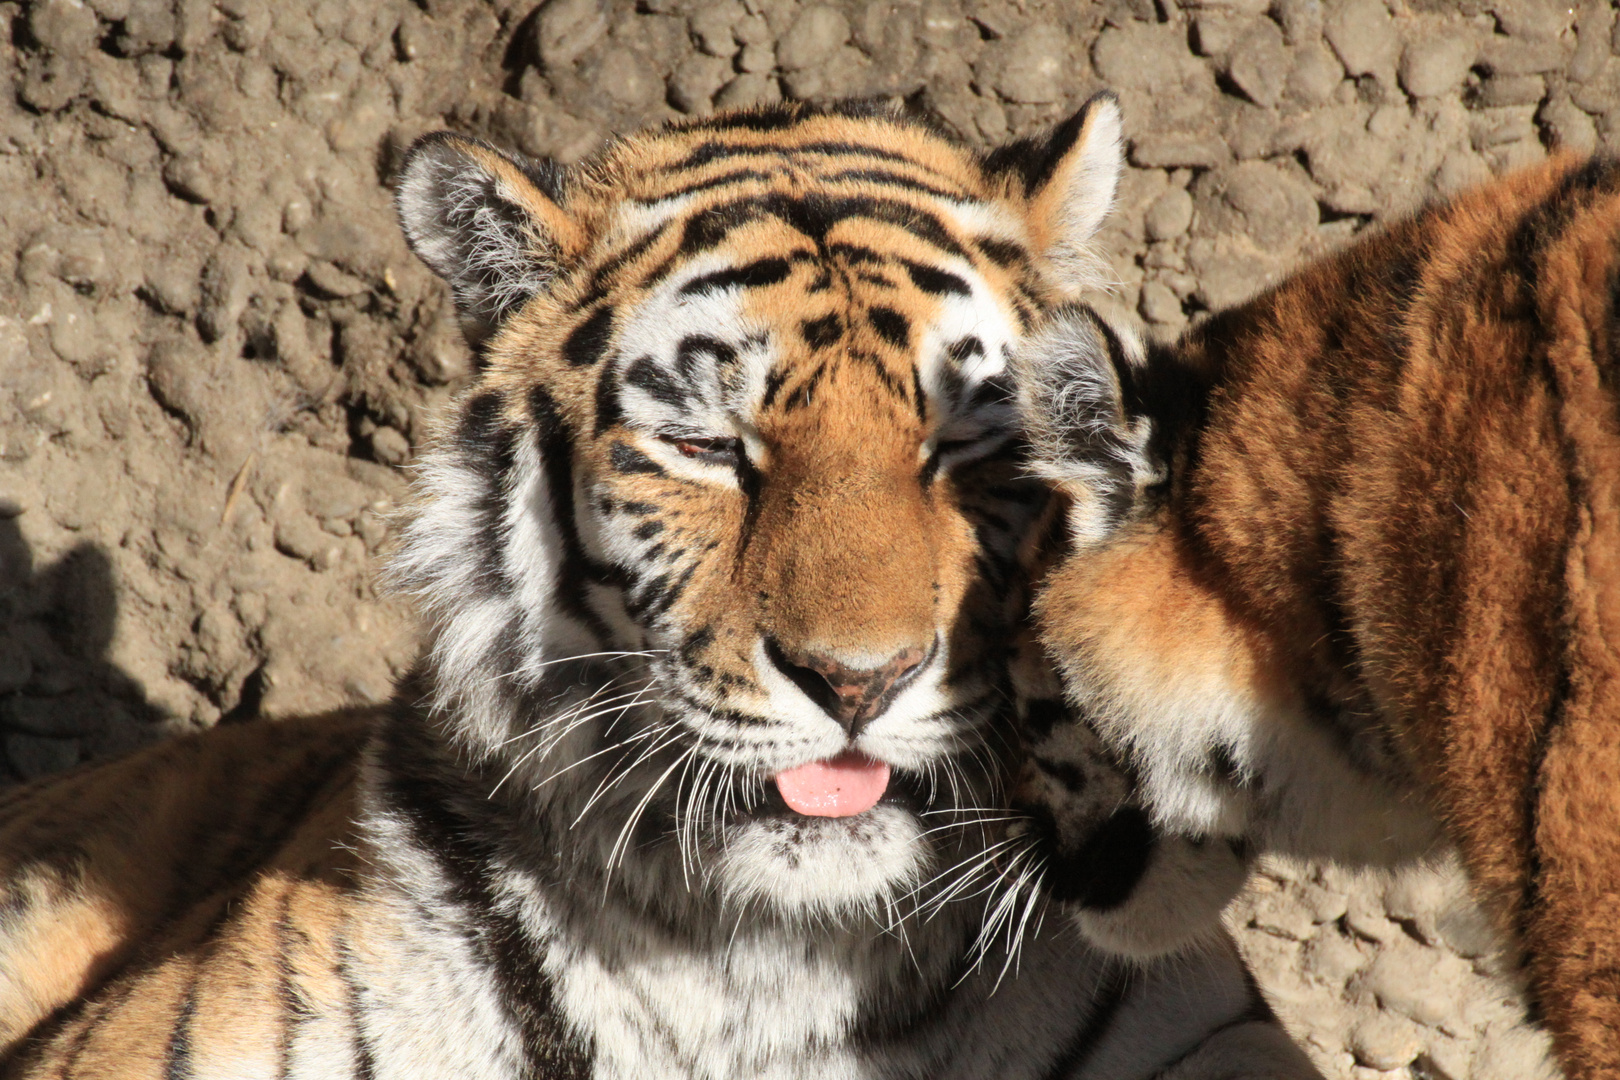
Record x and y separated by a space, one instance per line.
843 786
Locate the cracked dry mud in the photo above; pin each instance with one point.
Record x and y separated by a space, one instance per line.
217 357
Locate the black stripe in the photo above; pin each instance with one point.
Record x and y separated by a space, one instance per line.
695 345
602 276
919 397
814 215
587 342
627 459
365 1060
556 446
752 276
821 333
609 410
488 446
710 152
893 179
1003 253
891 326
435 796
964 348
177 1066
931 279
646 375
1109 998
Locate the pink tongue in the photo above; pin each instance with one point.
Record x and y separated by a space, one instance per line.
848 784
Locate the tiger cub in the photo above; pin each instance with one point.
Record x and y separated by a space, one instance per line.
1343 571
699 774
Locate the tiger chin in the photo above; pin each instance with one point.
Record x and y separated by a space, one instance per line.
1341 573
700 773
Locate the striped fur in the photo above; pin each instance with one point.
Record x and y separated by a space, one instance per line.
1345 564
737 488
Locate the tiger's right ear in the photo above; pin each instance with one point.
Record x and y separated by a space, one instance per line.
489 222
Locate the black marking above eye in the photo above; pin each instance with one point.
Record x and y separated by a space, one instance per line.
822 332
965 348
1000 252
938 282
587 342
712 449
891 326
754 275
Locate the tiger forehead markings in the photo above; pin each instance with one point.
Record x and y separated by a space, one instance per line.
766 369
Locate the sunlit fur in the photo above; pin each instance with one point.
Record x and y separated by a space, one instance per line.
742 416
1345 564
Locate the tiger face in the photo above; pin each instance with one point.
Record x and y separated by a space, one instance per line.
721 548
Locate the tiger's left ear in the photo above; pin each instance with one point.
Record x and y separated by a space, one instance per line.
1066 180
491 223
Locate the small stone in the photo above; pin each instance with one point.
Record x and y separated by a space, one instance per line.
1502 91
1334 957
752 30
1507 56
814 36
628 78
1030 66
224 289
1315 75
1535 20
1568 128
1214 32
1171 151
1301 20
1160 305
389 446
1169 215
711 26
1384 1041
695 82
1364 36
750 88
566 29
1592 35
65 27
757 57
331 281
1259 63
1437 65
191 179
1268 203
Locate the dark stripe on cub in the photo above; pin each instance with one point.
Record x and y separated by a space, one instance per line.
935 281
822 332
891 326
587 342
752 276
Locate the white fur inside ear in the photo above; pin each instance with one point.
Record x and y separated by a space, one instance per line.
470 227
1083 196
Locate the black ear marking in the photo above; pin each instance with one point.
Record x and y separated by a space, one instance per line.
486 220
1036 158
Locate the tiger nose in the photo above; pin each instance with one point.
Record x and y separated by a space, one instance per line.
850 695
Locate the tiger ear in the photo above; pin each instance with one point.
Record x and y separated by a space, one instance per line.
489 222
1066 180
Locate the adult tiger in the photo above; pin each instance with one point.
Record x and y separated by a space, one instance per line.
720 553
1346 561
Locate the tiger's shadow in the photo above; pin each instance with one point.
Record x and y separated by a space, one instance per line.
62 699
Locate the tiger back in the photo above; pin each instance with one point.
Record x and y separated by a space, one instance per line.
1344 565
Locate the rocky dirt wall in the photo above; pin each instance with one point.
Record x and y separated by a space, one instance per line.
217 357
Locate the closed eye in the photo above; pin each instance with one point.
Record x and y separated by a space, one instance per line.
715 450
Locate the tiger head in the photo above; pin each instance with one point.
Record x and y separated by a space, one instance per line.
720 549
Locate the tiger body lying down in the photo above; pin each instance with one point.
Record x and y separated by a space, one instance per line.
699 775
1344 572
